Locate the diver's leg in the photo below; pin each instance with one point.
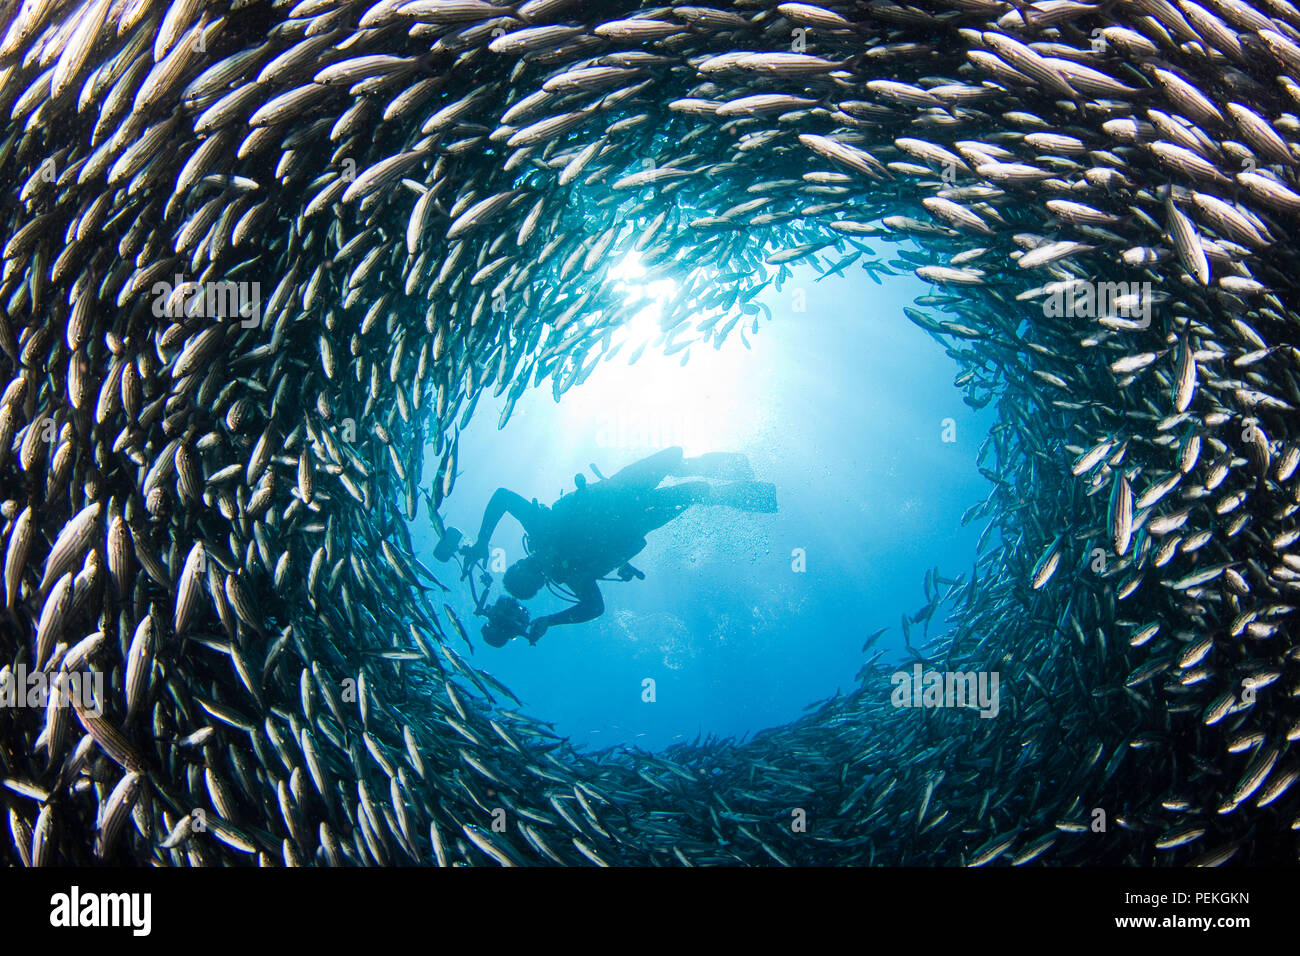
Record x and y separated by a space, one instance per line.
665 504
746 496
648 472
725 465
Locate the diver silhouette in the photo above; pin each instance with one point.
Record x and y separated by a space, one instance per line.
598 528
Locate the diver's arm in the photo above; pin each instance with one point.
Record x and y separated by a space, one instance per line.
504 500
589 607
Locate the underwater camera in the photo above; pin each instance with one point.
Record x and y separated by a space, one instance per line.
506 619
448 544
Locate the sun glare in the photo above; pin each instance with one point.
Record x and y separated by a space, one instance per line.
688 398
628 278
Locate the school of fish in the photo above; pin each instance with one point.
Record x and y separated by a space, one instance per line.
257 256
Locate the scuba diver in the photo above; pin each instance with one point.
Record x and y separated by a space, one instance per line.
597 529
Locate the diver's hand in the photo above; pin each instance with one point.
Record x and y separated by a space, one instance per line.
537 629
476 553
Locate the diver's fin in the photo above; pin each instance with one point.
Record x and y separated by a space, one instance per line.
747 496
724 465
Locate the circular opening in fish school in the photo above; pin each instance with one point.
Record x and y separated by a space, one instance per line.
269 274
742 617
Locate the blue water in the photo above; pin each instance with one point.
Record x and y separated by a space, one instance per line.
844 406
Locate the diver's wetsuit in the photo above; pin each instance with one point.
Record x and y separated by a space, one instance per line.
595 530
592 532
